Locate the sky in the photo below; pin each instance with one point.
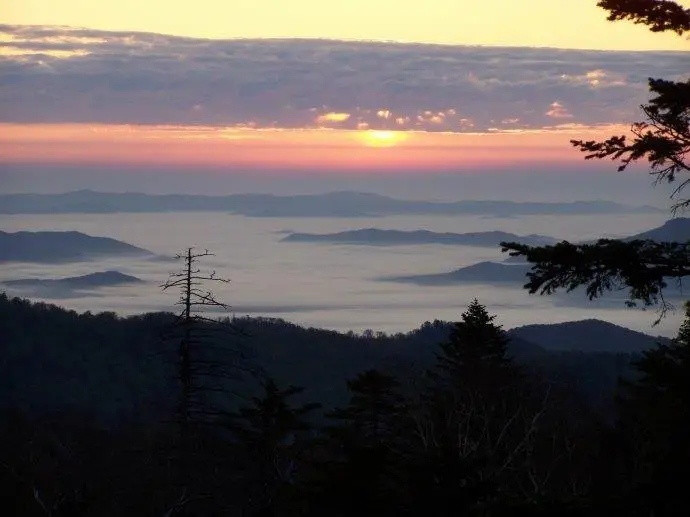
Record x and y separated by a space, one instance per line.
541 23
442 86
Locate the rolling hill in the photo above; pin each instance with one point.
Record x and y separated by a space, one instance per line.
586 336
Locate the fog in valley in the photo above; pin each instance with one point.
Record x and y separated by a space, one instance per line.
327 285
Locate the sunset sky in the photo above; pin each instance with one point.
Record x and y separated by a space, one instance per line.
543 23
204 84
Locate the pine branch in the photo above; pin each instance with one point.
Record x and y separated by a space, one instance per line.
658 15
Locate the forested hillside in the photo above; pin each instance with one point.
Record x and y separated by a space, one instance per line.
124 367
304 420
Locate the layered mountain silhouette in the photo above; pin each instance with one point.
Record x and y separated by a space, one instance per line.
56 247
480 273
673 230
334 204
513 275
90 281
378 237
513 270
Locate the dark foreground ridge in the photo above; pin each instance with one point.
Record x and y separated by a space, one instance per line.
88 426
318 359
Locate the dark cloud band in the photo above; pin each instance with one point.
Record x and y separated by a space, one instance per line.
54 74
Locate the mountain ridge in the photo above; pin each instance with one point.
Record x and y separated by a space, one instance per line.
61 246
89 281
384 237
50 361
332 204
589 335
673 230
486 272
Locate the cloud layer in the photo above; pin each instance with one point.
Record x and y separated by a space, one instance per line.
54 74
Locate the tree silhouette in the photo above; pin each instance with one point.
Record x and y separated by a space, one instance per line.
654 424
268 435
663 139
206 362
471 423
370 416
475 341
477 436
361 470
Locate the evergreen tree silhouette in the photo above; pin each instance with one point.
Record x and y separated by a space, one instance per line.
654 426
362 471
269 437
643 267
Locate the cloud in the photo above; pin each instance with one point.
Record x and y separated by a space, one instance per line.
557 110
57 74
597 79
331 117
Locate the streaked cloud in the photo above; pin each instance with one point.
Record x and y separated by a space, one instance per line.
62 75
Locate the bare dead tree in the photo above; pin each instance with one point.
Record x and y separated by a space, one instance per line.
207 359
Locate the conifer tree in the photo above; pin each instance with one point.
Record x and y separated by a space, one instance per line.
269 436
360 472
644 267
475 342
654 426
469 420
371 417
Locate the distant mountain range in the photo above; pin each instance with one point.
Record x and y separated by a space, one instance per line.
513 270
378 237
90 281
56 247
335 204
673 230
480 273
503 274
677 230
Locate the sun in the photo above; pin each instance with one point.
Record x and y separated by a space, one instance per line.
378 138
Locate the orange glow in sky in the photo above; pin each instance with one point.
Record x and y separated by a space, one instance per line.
383 138
346 128
313 149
